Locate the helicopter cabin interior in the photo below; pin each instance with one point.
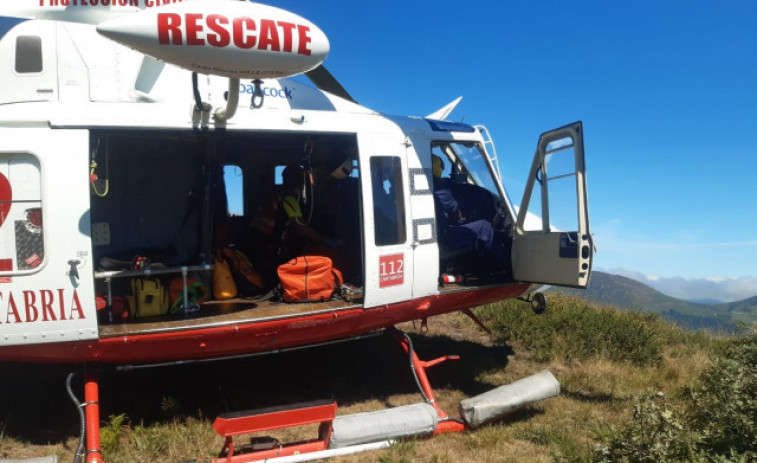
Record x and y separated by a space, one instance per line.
166 207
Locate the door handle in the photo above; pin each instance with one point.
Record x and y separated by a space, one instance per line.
73 271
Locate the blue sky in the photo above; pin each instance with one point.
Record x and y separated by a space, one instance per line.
667 92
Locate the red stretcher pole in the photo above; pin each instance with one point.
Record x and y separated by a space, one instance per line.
92 417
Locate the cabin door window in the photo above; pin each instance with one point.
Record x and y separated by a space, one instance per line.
388 200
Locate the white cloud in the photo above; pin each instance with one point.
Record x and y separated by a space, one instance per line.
668 253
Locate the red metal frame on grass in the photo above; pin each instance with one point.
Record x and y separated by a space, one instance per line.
230 425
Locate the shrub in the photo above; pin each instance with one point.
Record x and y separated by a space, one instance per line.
656 434
573 329
110 435
724 403
717 420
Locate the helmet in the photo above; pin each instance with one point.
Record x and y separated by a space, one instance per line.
437 166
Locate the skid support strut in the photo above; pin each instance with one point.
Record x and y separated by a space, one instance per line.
92 417
418 367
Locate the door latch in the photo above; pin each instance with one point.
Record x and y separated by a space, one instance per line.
74 271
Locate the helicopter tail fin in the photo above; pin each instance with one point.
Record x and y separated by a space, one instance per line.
441 114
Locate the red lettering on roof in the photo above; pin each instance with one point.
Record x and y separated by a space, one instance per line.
221 38
169 29
303 32
193 29
197 29
269 36
241 39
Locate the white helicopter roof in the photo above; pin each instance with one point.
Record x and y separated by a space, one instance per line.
89 69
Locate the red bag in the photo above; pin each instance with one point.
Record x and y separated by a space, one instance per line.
309 279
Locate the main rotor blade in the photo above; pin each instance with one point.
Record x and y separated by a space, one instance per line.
148 74
324 80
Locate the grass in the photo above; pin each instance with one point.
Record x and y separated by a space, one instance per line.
616 369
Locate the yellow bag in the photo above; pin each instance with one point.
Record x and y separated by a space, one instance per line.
223 283
148 298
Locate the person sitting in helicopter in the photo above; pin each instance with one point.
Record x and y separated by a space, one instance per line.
345 195
294 233
331 184
457 235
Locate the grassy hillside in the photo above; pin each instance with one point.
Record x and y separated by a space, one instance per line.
745 311
634 388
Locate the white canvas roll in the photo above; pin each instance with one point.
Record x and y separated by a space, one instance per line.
498 402
392 423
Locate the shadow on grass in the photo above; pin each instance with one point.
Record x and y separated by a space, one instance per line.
35 408
517 416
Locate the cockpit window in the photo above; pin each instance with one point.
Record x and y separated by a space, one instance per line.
28 54
464 163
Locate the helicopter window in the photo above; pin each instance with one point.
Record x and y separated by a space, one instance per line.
559 172
28 54
464 163
21 220
278 175
388 200
233 178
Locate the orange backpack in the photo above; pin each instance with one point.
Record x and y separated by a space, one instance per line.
309 279
248 280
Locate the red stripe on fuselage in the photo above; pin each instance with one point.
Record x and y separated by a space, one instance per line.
254 336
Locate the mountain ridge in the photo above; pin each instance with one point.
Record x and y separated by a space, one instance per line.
629 294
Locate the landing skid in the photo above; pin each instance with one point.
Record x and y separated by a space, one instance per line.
418 367
323 412
337 435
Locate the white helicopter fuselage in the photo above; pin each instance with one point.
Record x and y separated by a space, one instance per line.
108 153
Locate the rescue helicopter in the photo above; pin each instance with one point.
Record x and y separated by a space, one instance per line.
147 151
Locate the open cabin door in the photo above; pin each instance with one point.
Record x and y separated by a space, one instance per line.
388 242
557 183
46 287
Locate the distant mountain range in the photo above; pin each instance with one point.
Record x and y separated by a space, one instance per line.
629 294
